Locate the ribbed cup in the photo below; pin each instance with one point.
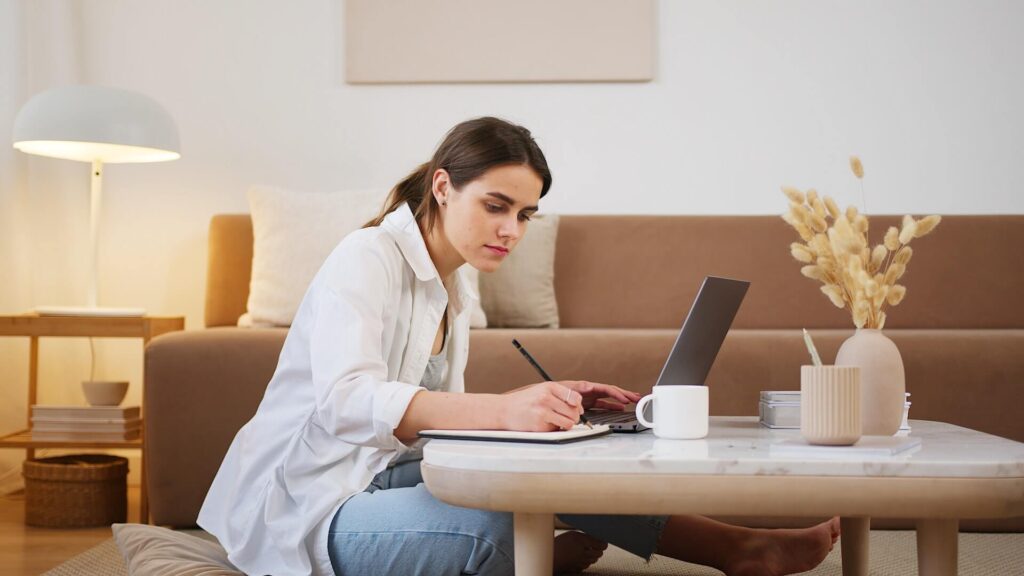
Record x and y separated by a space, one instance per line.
830 404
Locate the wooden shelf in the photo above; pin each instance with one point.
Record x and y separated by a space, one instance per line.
146 327
35 327
23 439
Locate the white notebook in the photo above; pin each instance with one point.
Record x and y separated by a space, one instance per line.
577 432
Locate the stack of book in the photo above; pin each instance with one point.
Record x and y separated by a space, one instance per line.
86 423
781 409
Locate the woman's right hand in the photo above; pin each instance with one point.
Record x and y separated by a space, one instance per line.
543 407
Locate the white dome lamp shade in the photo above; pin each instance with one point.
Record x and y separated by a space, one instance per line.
96 124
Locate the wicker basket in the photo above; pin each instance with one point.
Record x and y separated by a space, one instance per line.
74 491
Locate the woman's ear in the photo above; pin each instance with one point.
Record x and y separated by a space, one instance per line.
441 186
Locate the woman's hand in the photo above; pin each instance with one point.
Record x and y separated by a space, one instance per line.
602 395
550 406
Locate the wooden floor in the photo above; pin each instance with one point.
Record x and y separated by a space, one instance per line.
26 551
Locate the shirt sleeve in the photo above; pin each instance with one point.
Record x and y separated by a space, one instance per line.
354 399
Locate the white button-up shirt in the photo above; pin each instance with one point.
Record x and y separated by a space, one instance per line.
362 334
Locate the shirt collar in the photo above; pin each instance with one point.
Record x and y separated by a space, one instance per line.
401 223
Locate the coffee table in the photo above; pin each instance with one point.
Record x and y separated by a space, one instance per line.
955 473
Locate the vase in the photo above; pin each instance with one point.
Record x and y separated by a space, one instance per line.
882 381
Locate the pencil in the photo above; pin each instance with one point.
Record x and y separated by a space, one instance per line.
543 374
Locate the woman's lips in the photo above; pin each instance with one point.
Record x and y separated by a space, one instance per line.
497 250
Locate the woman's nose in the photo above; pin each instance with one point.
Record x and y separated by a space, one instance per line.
509 228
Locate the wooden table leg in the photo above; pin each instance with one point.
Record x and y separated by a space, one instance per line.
33 385
534 543
854 545
937 541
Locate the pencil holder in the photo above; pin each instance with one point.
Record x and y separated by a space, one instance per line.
830 404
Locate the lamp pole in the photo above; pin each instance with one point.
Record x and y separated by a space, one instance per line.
96 204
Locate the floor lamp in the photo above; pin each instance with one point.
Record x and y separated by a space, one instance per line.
99 125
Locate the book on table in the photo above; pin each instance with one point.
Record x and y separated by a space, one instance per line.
85 423
88 412
574 434
61 436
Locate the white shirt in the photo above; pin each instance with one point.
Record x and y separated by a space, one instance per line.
325 427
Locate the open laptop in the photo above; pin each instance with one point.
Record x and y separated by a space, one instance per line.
695 349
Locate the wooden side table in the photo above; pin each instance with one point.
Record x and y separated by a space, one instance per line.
35 326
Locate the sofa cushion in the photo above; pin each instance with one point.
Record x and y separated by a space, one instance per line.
154 551
521 293
293 233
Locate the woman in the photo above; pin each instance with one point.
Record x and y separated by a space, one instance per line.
325 477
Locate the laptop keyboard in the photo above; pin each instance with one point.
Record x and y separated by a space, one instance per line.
610 416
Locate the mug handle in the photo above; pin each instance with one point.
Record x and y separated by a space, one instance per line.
640 410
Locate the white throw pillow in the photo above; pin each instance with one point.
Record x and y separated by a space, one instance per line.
156 551
521 292
293 233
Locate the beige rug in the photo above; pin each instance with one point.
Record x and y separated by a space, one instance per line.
892 554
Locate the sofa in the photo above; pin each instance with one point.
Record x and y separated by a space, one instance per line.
623 285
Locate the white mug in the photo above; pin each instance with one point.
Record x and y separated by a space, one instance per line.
680 412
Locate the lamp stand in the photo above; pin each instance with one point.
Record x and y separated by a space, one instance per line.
95 205
91 308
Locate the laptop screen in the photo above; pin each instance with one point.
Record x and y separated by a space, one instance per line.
703 332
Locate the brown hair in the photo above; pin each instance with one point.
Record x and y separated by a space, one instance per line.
467 151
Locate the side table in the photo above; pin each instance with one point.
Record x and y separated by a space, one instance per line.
35 326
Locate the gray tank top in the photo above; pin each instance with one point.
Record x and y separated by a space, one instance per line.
432 379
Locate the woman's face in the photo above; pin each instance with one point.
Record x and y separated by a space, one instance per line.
486 218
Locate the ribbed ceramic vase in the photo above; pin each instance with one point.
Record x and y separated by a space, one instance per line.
882 382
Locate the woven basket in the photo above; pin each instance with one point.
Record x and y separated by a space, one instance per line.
74 491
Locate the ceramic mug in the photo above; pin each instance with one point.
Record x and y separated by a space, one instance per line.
680 412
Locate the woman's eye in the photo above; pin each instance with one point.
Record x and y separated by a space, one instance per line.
495 208
524 217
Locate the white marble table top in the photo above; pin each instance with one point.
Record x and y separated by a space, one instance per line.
739 445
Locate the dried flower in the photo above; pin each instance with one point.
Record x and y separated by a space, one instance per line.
833 209
908 231
903 256
836 252
794 195
834 294
877 258
896 294
801 252
857 167
892 239
926 225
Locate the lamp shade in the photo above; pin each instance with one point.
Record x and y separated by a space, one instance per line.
89 123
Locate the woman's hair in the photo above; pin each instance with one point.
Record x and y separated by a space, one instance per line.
468 150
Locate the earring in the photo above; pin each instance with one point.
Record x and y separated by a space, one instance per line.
444 203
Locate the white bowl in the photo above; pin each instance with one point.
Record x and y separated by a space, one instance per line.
104 392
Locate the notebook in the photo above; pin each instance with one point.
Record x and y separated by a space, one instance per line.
574 434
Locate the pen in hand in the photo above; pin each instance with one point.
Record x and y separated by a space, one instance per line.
543 374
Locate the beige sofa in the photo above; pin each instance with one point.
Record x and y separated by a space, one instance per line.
623 285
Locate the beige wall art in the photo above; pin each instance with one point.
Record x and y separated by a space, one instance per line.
444 41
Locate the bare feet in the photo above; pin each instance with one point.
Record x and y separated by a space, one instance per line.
575 551
779 552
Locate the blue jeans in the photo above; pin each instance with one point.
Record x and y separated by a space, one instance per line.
396 527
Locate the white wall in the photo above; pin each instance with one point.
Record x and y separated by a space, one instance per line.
748 96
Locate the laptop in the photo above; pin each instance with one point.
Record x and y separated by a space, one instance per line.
695 349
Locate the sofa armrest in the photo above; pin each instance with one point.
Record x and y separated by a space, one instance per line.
201 388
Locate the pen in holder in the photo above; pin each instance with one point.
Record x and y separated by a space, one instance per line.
829 401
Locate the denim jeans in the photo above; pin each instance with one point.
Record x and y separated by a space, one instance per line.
396 527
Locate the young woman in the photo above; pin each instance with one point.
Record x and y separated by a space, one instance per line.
325 478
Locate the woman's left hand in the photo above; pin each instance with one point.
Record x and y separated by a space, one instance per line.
602 395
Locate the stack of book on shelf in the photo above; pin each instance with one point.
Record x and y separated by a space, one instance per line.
781 409
86 423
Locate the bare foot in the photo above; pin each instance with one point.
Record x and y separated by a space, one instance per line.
779 552
576 551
